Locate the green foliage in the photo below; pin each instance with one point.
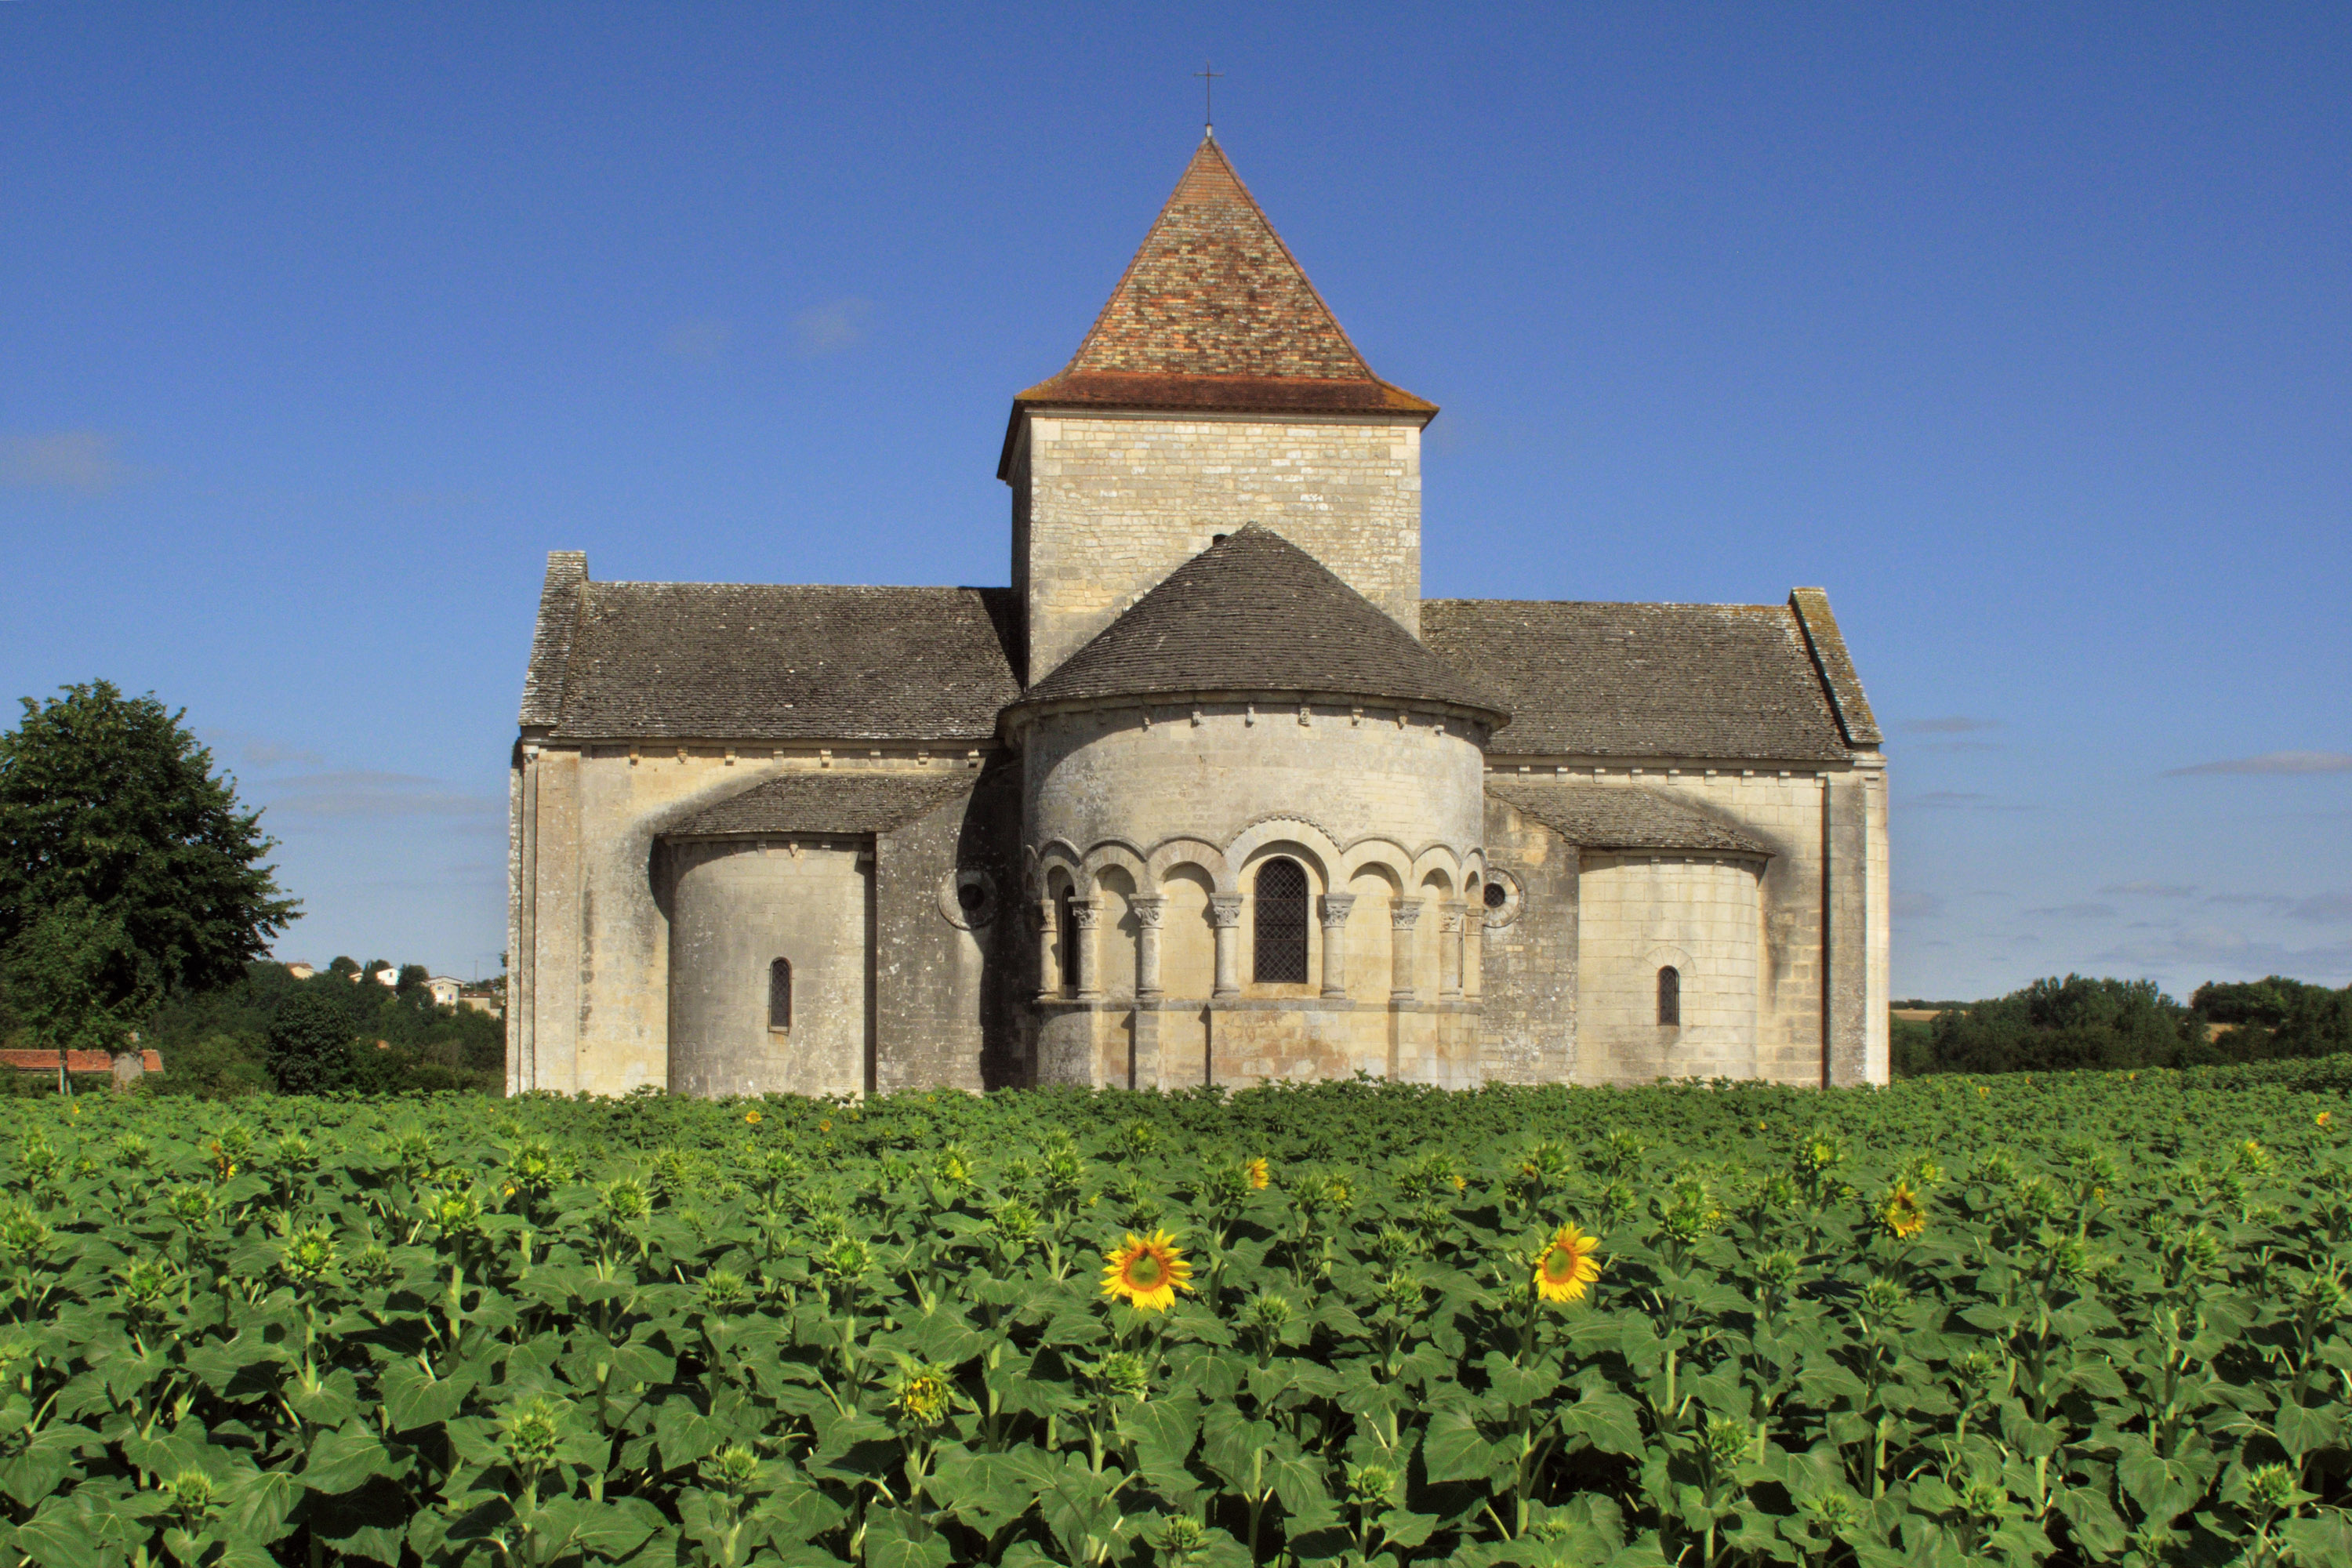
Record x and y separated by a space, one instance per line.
309 1044
2058 1026
106 801
428 1047
73 979
2276 1017
2086 1319
2054 1025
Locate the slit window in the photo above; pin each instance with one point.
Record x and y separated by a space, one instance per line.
1066 922
780 995
1281 927
1670 996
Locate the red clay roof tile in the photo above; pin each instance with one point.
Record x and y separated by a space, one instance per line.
1215 313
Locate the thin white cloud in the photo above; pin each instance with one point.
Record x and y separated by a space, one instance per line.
2078 911
1950 724
2273 763
831 327
699 342
83 461
2151 889
260 750
1945 799
2326 908
1917 905
2255 900
378 795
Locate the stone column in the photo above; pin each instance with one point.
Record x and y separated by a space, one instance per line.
1040 918
1334 943
1449 952
1225 915
1149 911
1403 916
1082 915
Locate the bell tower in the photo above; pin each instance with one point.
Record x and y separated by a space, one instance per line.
1215 390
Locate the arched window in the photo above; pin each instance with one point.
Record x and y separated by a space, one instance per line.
1281 925
1065 923
1670 996
780 995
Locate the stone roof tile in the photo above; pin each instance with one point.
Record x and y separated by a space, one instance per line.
837 801
754 662
1733 682
1255 613
1624 816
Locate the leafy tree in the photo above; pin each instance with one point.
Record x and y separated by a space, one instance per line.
412 978
344 966
75 979
108 805
309 1043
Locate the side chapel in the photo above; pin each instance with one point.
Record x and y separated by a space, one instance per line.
1209 794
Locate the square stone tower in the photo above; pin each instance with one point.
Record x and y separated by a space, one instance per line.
1215 390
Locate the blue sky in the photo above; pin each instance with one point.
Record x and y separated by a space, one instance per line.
2025 331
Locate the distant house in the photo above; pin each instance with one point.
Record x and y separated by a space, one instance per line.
385 977
491 999
299 969
445 989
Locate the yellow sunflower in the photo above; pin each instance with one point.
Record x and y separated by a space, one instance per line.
1147 1271
1567 1265
751 1117
1902 1213
2322 1119
1260 1173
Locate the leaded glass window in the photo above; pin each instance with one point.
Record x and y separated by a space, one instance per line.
1281 924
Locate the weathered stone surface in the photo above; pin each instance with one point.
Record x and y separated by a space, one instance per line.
986 869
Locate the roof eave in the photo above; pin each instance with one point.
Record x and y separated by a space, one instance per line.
1019 715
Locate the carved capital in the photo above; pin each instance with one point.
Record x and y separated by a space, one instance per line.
1404 914
1225 910
1083 911
1453 921
1150 910
1335 909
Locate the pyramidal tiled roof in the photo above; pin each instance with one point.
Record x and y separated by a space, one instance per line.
1215 312
1255 613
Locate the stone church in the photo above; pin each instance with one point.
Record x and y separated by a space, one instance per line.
1209 794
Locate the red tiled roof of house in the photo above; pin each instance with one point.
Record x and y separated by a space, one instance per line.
76 1061
1215 313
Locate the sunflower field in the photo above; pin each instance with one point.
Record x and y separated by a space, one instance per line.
2065 1319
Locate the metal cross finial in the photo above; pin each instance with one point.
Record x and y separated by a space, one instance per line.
1208 99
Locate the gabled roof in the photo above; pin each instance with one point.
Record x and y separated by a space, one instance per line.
1255 613
1215 313
1734 681
726 661
1624 816
837 801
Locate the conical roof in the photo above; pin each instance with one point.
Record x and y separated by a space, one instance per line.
1215 313
1253 613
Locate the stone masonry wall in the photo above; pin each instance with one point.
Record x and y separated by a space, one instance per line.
1108 505
1639 913
592 1008
1529 974
737 907
948 980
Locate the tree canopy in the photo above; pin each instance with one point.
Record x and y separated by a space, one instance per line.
112 817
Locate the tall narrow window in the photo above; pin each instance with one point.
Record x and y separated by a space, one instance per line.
780 995
1065 925
1281 946
1670 996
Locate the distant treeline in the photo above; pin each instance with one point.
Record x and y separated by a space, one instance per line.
270 1031
2054 1025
